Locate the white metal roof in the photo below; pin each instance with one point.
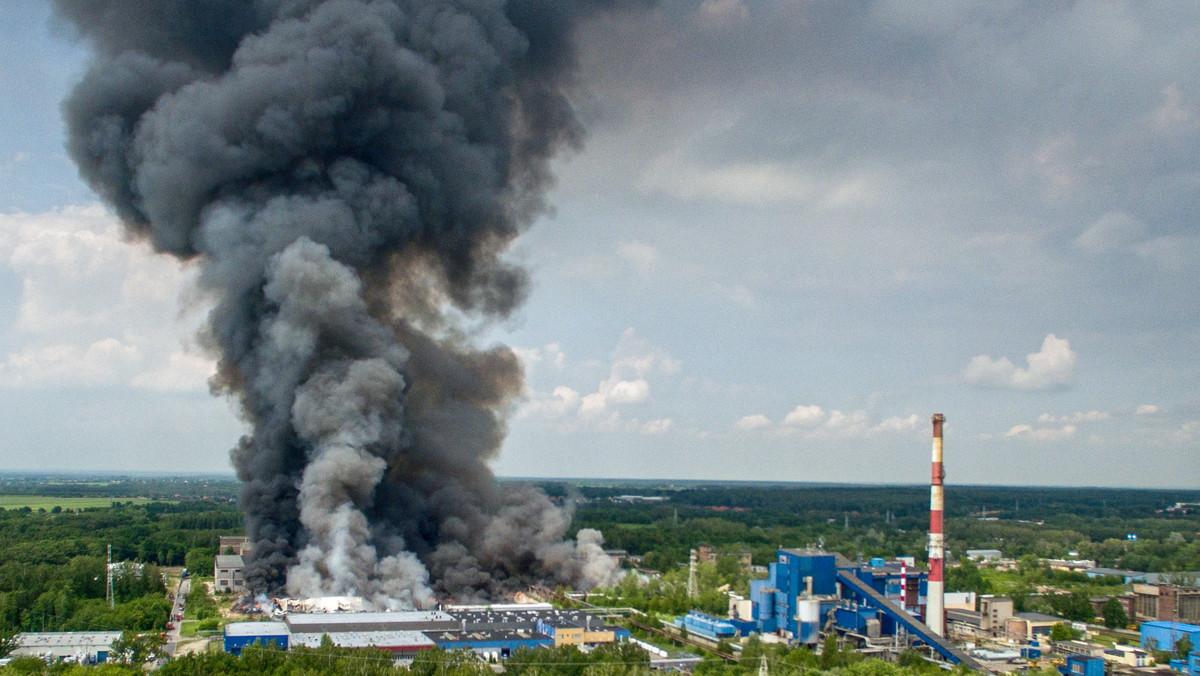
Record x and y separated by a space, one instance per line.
256 629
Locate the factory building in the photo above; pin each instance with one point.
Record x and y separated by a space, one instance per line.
238 635
492 631
83 647
1166 602
810 592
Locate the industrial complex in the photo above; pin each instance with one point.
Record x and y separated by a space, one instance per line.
808 597
492 631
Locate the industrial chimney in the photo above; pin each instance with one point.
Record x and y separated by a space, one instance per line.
935 613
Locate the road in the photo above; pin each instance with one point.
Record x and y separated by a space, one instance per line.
177 608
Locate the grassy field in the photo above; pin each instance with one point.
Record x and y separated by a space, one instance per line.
48 502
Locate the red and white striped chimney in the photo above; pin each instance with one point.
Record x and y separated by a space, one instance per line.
935 608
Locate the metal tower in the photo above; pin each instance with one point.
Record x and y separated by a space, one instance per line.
108 588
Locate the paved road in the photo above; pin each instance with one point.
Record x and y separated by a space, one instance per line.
177 607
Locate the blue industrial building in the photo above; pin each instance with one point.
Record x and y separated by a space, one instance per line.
1082 665
1160 635
809 592
238 635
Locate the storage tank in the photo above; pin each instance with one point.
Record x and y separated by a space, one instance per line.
808 621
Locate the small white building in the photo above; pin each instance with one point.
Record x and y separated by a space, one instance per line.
1127 655
83 647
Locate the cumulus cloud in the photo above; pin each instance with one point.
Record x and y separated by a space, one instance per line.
92 307
551 354
1146 409
657 426
753 422
634 363
814 422
1051 367
561 402
804 416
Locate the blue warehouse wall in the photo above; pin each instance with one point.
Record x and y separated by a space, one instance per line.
235 644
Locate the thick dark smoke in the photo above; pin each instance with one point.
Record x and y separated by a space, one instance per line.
347 174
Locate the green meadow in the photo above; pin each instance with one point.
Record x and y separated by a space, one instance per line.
49 502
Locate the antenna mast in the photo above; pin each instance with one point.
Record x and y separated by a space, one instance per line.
108 588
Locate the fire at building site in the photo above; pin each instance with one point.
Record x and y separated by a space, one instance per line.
346 175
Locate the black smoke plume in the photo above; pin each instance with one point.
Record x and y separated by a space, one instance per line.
346 174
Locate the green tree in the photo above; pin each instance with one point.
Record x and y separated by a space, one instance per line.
134 648
1114 614
966 577
1183 647
1063 632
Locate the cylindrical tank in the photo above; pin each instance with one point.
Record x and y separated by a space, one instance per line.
808 620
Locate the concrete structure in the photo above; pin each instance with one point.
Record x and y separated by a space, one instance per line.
995 612
237 545
935 613
1079 648
1166 603
960 600
228 572
84 647
1025 626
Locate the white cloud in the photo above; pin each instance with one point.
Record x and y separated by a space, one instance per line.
551 353
1146 409
814 422
103 362
657 426
95 309
1040 433
634 362
753 422
1078 417
804 416
1171 253
1053 366
1114 231
1172 112
898 424
562 401
642 257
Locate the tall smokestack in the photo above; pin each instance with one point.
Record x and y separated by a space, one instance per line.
935 614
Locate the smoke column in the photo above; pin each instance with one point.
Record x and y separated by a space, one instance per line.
346 175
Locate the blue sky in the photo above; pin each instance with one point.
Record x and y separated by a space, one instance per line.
795 232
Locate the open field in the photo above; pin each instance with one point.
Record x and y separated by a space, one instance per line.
49 502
